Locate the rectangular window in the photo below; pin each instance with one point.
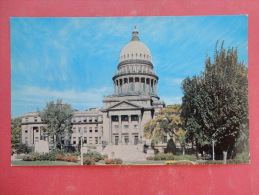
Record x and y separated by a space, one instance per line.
134 117
115 118
124 118
79 119
96 119
79 129
85 120
74 140
85 140
90 129
85 129
136 126
116 126
96 140
126 126
96 129
26 131
35 119
26 119
90 120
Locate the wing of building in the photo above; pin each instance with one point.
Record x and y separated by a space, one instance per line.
121 119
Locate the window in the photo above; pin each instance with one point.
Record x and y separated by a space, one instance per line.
37 131
90 120
96 140
134 117
35 119
85 129
79 119
126 126
79 129
116 126
85 120
96 129
96 119
26 119
115 118
26 131
136 126
90 129
74 140
85 140
124 118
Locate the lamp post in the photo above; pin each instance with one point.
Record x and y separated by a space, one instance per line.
81 150
213 153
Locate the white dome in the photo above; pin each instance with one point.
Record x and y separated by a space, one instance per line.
135 50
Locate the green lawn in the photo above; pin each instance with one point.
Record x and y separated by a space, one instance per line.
41 163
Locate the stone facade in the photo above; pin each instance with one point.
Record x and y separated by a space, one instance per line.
121 119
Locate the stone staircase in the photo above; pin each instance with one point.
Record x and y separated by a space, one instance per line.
125 152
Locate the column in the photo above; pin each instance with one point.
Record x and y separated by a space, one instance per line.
130 131
110 130
120 130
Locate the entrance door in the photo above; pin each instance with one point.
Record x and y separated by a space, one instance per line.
135 140
116 140
126 140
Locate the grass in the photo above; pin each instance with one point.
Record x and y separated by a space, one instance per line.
42 163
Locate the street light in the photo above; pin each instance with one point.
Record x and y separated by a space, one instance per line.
81 150
213 153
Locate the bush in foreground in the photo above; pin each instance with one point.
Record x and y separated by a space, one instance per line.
180 162
170 156
113 161
88 161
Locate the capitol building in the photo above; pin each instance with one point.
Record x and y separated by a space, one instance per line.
120 121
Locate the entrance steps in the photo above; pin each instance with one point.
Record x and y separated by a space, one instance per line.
125 152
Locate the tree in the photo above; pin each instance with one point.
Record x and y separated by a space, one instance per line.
16 132
215 103
58 119
167 123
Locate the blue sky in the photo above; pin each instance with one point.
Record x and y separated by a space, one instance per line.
75 58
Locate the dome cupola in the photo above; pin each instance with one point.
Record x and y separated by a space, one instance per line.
135 50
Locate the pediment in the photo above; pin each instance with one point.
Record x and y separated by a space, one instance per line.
124 105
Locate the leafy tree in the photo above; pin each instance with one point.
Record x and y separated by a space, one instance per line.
57 117
215 103
16 132
167 123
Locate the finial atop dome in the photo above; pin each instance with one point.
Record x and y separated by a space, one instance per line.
135 34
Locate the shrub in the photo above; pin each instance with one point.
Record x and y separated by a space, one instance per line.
210 162
95 156
70 158
23 149
33 156
88 161
180 162
111 161
59 157
242 158
170 156
118 161
150 158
